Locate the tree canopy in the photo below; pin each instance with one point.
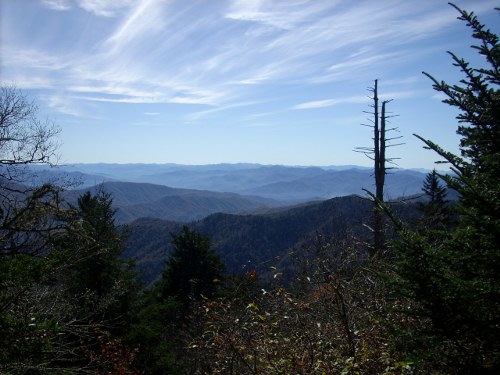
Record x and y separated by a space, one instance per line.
454 278
193 269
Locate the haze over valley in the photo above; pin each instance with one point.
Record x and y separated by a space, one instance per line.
185 193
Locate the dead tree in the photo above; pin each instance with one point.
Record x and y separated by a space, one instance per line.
377 153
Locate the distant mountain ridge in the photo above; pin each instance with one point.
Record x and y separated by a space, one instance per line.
283 183
136 200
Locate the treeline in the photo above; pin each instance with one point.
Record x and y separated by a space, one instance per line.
424 302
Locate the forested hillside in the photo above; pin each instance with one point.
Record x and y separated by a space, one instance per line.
257 242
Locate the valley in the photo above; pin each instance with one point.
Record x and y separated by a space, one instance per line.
254 215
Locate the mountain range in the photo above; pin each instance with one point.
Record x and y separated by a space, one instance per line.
137 200
287 184
253 214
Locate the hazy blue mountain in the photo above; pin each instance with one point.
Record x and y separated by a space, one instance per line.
285 183
66 176
232 180
135 200
292 183
335 183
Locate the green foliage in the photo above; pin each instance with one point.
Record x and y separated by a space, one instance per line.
23 323
433 189
49 316
477 98
29 267
251 241
155 331
332 325
69 302
193 269
162 320
47 255
436 210
454 279
100 282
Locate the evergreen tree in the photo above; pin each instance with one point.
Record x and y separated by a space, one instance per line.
102 283
455 281
193 269
436 213
433 189
160 323
156 329
98 264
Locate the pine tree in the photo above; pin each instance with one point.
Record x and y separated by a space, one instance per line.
193 268
455 281
435 210
102 283
191 272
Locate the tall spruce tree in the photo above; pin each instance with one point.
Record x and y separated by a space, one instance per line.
455 281
435 210
193 268
99 280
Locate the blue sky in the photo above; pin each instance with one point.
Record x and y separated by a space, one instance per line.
210 81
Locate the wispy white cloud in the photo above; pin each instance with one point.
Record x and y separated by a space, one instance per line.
196 116
114 90
130 100
330 102
398 95
259 75
156 51
31 58
144 100
282 15
152 113
101 87
144 18
376 30
24 82
365 61
101 8
63 104
105 8
59 5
